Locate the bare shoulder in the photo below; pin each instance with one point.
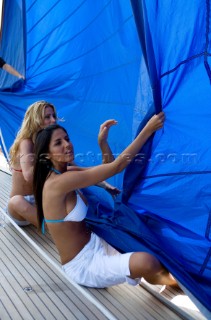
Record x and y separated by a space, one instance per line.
75 168
61 184
26 146
53 183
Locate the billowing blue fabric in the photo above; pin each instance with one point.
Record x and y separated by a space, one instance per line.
173 193
168 184
84 61
86 57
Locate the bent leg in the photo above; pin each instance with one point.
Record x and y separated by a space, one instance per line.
20 209
143 264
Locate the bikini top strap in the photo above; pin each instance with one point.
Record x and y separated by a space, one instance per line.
50 221
43 226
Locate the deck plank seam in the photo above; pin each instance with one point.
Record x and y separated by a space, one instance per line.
79 288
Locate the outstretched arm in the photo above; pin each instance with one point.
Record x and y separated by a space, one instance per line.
7 67
75 180
113 191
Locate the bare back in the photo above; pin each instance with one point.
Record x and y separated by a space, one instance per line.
22 169
19 185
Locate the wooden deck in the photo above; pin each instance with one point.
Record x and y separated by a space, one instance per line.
33 286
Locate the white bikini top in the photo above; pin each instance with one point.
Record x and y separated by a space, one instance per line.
79 211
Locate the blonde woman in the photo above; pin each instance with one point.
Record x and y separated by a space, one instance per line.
21 206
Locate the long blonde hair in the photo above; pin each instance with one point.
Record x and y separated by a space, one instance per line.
32 123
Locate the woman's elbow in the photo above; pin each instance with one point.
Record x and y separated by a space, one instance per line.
28 177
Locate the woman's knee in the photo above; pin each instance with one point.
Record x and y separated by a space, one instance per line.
15 203
142 264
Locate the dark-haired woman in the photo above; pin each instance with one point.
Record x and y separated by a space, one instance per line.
86 258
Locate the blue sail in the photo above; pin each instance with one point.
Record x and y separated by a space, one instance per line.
125 60
171 194
77 56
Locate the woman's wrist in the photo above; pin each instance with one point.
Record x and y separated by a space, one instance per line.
102 143
147 131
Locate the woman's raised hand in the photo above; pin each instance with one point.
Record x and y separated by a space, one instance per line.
104 129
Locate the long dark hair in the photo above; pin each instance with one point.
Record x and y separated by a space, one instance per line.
42 166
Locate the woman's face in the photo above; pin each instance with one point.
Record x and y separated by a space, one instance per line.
49 116
60 148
